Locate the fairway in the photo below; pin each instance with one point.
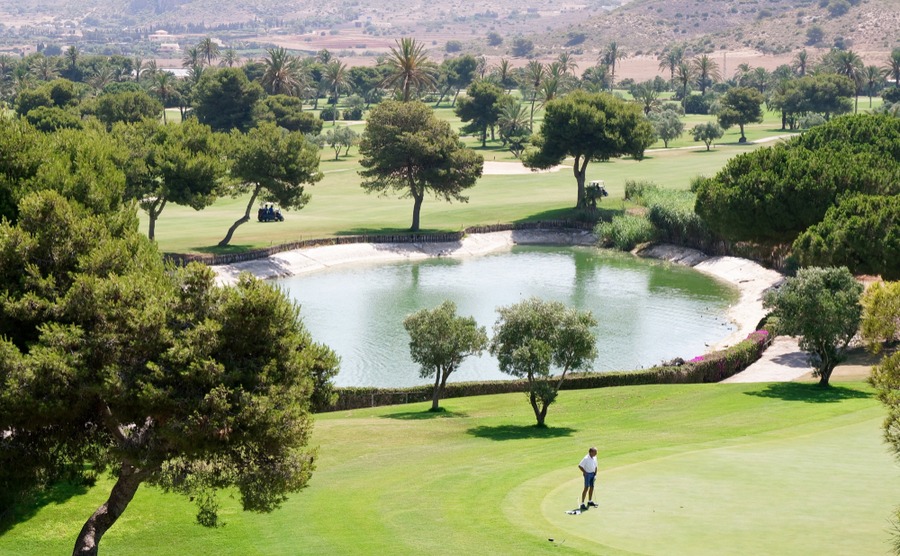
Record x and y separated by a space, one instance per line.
684 469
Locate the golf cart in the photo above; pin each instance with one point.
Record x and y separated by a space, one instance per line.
594 192
269 213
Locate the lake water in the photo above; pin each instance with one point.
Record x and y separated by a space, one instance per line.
647 311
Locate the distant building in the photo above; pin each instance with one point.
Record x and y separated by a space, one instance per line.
169 48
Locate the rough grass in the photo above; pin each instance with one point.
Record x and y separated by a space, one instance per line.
684 469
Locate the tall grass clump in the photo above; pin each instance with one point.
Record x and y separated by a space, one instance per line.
625 232
637 190
672 215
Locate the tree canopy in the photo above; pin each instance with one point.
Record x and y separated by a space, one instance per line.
773 194
224 99
532 336
480 108
740 106
821 306
406 148
274 163
588 126
111 362
439 341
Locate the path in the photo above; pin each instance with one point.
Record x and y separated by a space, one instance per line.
783 361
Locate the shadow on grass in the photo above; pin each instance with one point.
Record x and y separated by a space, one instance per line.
602 213
385 231
809 392
32 504
520 432
441 413
227 250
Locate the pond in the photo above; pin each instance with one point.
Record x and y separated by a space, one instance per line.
648 311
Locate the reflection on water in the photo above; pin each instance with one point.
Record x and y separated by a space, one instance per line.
647 311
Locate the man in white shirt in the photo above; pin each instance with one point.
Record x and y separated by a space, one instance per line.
588 468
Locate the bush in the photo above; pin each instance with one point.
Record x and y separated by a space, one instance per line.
673 217
698 104
812 120
891 95
328 113
625 232
353 114
636 190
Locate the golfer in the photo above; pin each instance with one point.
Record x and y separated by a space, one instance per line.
588 468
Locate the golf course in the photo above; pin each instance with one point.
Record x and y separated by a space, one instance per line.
785 468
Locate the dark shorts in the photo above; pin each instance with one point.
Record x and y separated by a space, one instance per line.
589 479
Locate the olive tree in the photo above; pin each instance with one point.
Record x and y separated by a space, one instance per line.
533 336
439 341
821 306
707 132
406 148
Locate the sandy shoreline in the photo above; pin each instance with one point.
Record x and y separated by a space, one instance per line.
748 277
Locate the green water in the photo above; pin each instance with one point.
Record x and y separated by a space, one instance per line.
647 311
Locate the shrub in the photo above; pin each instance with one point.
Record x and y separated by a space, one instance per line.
625 232
328 113
697 104
636 190
673 217
353 114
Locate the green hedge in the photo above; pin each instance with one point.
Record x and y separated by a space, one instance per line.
711 367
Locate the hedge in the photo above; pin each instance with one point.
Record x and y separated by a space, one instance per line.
711 367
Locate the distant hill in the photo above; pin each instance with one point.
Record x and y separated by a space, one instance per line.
769 26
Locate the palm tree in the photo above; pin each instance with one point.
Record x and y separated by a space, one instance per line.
409 68
481 66
163 88
759 79
151 70
707 71
503 72
335 77
684 76
43 68
209 49
137 66
647 96
873 77
103 76
71 56
549 90
892 69
284 74
567 63
192 58
610 56
513 122
742 73
534 74
850 65
801 63
671 59
230 58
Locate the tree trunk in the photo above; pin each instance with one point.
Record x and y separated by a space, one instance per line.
825 375
417 208
335 111
88 541
241 220
743 139
539 415
437 390
452 104
153 213
579 170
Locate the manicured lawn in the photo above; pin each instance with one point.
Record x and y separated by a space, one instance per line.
339 206
684 469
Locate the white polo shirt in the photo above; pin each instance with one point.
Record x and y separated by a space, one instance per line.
589 464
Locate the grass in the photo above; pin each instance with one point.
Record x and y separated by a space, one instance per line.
684 469
339 206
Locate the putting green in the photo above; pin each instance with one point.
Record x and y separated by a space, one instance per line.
762 495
